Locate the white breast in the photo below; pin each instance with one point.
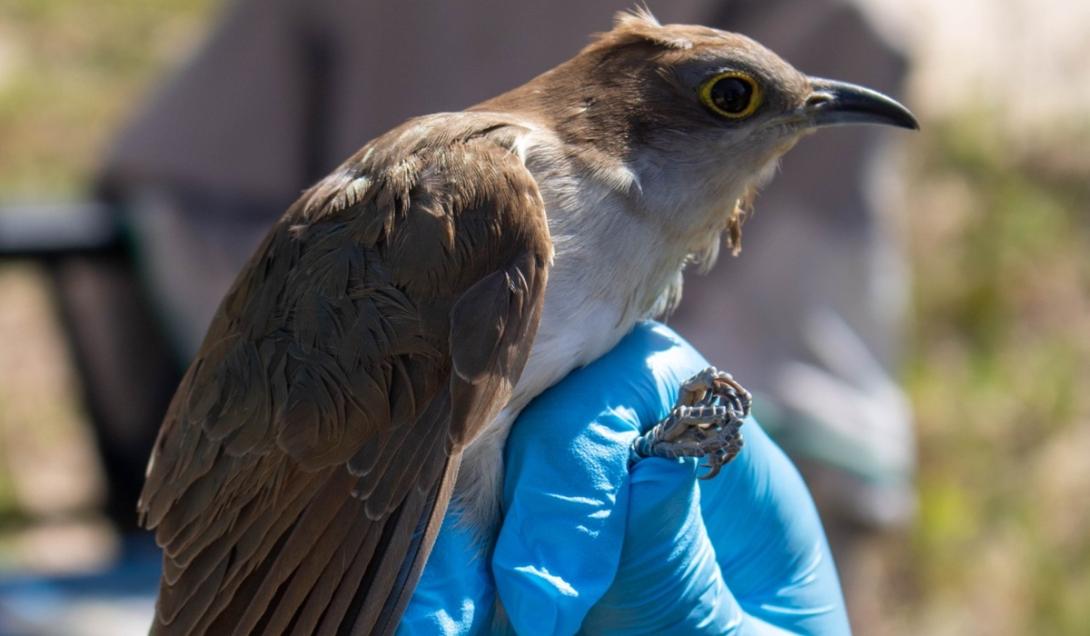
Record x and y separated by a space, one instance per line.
607 273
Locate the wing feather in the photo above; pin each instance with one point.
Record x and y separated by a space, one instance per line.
305 464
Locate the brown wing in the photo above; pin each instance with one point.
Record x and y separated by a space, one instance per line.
308 456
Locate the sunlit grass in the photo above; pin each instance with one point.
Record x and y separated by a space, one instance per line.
69 72
999 366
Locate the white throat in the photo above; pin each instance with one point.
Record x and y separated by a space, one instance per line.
613 266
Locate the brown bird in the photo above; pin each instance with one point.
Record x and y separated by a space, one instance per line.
368 362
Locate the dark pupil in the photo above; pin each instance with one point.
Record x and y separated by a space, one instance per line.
731 94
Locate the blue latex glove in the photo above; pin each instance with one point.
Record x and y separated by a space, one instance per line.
588 546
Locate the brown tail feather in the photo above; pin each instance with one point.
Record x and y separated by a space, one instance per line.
403 549
319 570
419 550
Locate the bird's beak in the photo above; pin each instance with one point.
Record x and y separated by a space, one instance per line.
833 103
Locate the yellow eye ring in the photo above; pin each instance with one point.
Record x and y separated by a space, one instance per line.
731 94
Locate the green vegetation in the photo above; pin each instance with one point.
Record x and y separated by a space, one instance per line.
999 366
69 72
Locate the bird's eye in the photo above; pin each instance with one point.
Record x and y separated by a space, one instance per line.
732 94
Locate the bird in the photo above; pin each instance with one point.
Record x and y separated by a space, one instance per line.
363 371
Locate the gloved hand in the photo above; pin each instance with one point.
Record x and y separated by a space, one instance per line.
588 545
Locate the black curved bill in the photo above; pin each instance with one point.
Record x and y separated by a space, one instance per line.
833 103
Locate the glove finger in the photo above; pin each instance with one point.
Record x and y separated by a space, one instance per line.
668 581
773 556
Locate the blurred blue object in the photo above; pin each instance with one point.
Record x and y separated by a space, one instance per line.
49 229
587 546
116 600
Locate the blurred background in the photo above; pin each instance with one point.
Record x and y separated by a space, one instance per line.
987 209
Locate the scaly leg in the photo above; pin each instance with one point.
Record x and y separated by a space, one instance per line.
705 422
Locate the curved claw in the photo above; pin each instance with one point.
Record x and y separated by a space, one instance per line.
705 423
723 455
713 470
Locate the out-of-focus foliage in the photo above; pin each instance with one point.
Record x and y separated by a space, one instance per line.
69 71
999 372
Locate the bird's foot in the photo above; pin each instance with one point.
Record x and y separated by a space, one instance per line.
705 422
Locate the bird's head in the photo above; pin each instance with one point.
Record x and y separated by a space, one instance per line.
698 116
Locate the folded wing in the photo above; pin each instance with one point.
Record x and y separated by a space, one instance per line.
307 458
